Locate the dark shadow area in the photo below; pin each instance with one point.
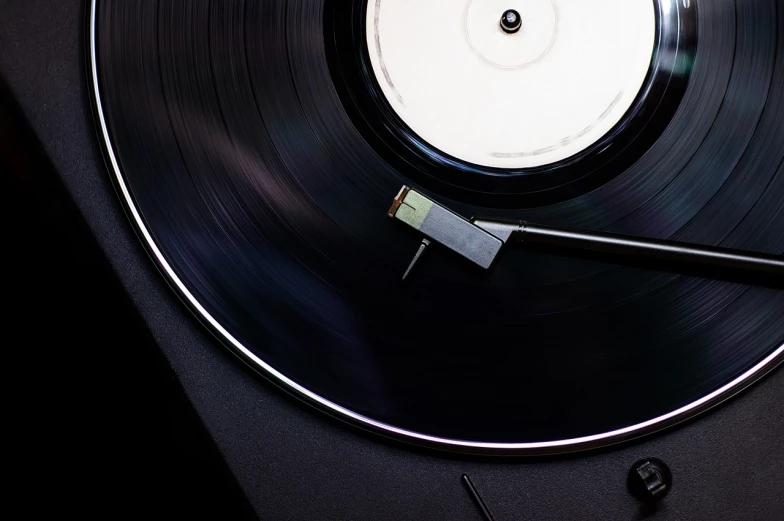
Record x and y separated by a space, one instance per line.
99 425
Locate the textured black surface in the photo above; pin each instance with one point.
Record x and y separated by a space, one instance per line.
294 464
257 189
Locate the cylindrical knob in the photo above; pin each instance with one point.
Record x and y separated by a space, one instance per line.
510 21
649 480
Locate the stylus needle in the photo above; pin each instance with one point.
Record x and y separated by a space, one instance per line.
480 241
417 255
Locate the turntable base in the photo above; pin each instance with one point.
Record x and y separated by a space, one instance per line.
293 464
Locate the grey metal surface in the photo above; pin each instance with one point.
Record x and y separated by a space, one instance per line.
445 227
461 236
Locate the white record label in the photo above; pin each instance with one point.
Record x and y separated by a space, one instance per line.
511 100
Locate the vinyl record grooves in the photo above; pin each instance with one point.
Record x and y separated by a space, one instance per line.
243 141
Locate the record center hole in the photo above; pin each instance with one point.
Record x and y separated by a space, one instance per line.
511 21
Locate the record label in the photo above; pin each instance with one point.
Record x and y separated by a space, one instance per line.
553 87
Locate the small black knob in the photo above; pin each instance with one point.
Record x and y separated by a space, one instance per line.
649 480
511 21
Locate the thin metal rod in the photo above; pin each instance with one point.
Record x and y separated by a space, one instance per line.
679 254
477 498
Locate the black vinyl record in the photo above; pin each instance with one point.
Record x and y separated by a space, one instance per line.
258 167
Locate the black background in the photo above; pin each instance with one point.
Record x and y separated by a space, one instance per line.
81 441
118 428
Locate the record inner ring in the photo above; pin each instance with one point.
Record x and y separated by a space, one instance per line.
525 99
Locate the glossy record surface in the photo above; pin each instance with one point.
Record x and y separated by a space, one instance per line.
266 209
